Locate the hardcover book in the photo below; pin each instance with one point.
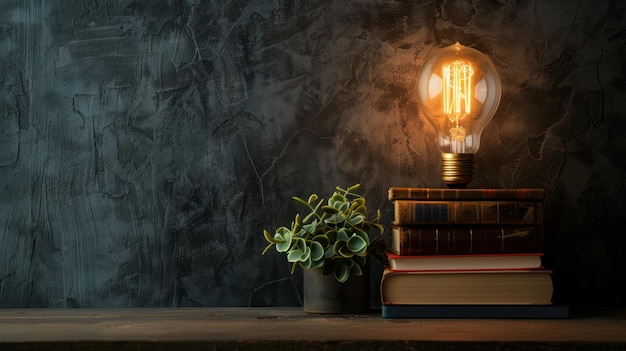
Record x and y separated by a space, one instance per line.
476 311
464 240
464 262
488 287
504 212
404 193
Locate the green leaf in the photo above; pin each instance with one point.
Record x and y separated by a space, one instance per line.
341 248
365 226
354 187
330 252
342 234
300 201
322 240
337 247
270 238
331 234
338 202
365 237
293 267
312 198
310 227
356 219
308 217
329 209
363 252
297 228
317 264
344 206
283 235
335 219
301 233
341 273
299 255
359 201
317 251
361 209
306 264
356 243
345 252
307 254
294 256
328 269
336 198
348 262
356 270
359 260
300 244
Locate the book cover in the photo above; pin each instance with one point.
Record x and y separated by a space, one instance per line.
463 240
412 212
476 311
485 287
408 193
464 262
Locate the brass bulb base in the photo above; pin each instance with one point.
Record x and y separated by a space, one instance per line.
457 169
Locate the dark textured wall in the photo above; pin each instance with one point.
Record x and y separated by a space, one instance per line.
144 145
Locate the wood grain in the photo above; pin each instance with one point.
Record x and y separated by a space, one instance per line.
268 328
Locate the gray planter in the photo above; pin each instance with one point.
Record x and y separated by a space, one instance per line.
327 295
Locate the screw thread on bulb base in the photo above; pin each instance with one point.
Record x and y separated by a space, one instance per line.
457 169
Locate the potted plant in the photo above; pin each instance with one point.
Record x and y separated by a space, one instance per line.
331 241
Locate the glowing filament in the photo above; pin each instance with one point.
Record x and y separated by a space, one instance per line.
457 90
457 100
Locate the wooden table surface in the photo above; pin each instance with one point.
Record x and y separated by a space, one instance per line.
290 329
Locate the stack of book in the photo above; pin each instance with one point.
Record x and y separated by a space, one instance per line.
467 253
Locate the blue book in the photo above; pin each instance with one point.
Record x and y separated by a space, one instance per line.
476 311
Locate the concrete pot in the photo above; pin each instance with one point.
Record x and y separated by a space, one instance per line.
327 295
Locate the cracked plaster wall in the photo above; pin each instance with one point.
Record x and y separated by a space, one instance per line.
144 145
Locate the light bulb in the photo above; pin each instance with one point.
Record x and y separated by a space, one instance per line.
458 90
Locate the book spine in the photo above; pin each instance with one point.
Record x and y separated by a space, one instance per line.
460 240
411 212
476 311
527 194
